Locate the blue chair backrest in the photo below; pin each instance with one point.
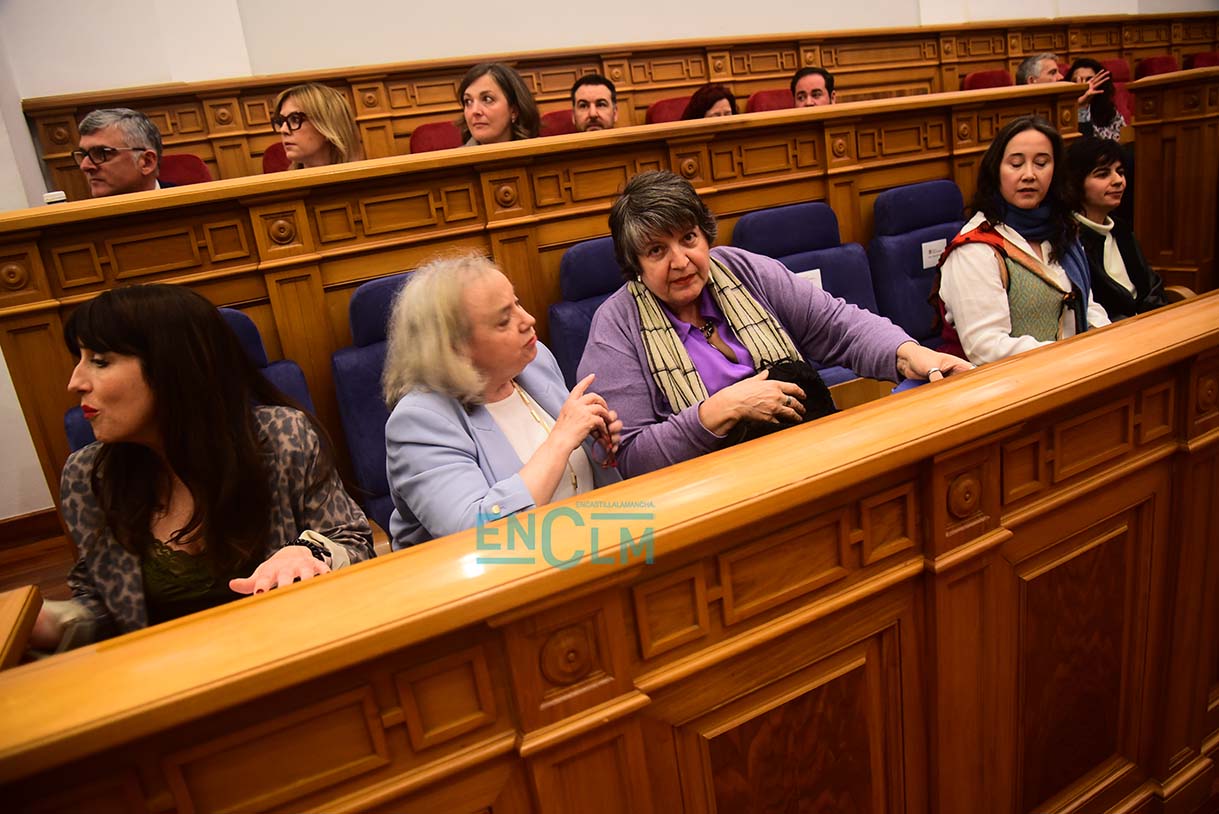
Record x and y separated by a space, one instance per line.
805 237
912 225
357 384
285 374
588 274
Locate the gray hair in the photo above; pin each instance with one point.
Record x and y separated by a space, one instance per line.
654 204
137 129
1031 67
428 328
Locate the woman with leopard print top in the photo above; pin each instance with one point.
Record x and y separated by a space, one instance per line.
192 496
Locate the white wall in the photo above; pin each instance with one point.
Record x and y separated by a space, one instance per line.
278 43
50 47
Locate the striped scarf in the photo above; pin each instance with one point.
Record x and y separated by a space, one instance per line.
668 361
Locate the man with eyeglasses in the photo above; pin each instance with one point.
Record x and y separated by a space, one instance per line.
120 152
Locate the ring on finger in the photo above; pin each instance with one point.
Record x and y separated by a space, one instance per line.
787 401
934 370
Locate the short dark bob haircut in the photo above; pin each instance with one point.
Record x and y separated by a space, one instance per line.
654 204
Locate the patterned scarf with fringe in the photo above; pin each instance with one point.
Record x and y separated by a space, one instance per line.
668 361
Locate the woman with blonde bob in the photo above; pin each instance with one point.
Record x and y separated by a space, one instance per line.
481 423
316 127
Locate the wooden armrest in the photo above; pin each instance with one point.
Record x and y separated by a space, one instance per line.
854 392
18 612
1176 293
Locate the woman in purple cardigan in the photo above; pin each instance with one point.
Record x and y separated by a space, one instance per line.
677 349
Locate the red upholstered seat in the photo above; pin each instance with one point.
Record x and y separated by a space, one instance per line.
778 99
1209 59
274 159
987 79
435 136
1119 72
183 169
1151 66
1119 69
666 110
557 123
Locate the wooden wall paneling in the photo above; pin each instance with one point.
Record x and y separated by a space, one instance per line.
1187 646
40 368
827 711
978 585
1177 126
1084 587
1192 37
226 122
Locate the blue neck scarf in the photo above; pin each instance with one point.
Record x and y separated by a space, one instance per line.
1034 225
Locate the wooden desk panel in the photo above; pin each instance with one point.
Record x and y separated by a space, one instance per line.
227 122
991 594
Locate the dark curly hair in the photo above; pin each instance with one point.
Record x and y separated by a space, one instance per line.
989 200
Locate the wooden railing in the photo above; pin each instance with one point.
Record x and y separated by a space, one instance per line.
999 594
227 122
289 249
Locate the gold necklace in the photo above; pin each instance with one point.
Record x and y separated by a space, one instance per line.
575 484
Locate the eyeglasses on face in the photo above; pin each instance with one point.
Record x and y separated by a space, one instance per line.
293 120
100 155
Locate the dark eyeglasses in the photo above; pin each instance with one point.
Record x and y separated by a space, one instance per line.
293 120
100 155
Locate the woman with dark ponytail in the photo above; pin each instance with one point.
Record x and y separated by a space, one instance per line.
205 482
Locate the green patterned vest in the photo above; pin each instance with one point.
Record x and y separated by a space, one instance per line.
1034 302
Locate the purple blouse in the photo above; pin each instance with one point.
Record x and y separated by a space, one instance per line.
716 371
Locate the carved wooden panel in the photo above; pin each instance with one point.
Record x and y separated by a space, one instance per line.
966 496
22 276
446 698
568 659
784 564
671 610
1147 34
602 774
1082 583
117 795
875 54
328 742
1086 441
974 45
777 59
681 68
1094 38
826 735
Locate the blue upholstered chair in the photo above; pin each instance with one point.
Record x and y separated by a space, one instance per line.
805 237
588 274
357 384
913 223
285 374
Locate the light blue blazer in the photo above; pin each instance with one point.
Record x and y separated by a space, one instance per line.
447 465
